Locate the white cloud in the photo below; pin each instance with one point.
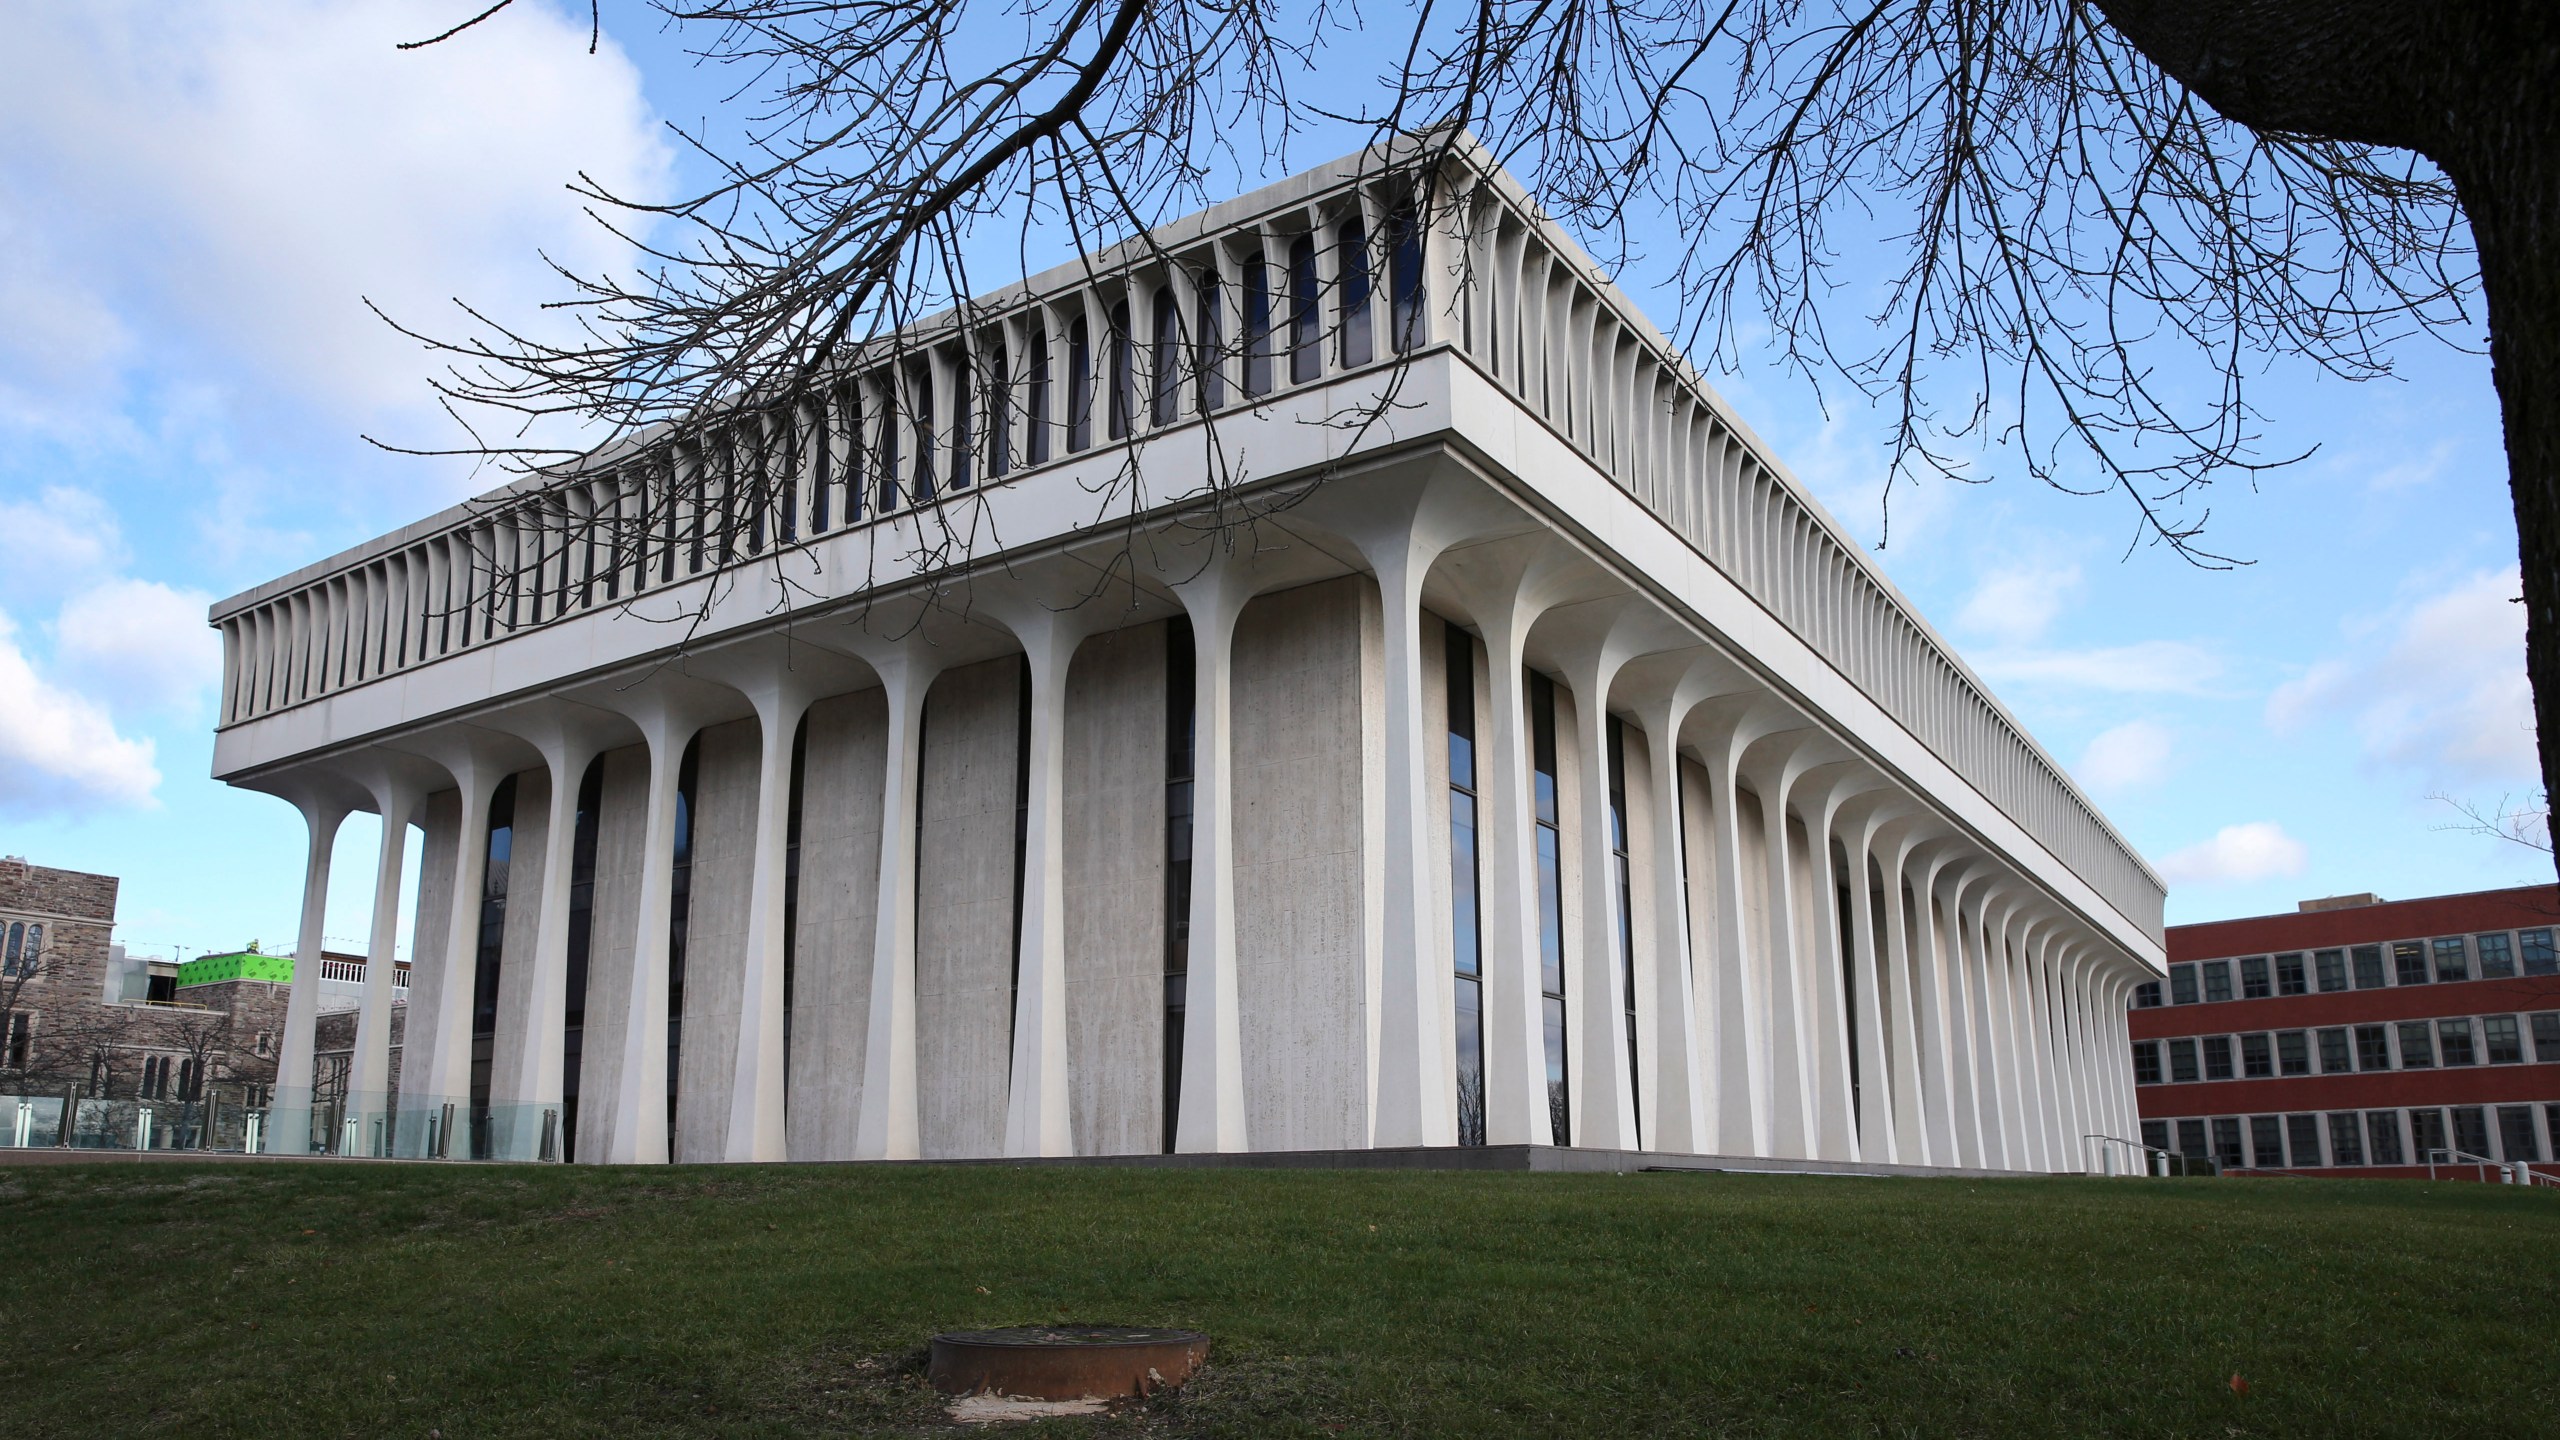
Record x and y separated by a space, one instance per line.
2132 755
2149 667
2440 689
59 751
246 174
139 643
61 538
2017 604
2413 470
2258 850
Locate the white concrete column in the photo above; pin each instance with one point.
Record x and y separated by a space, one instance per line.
1985 942
1036 1110
369 1075
1743 1120
302 1002
1861 821
1959 961
638 1133
2119 1059
1901 843
1603 1098
889 1126
1933 927
2066 1098
2057 1153
443 1065
2077 1124
1835 1134
755 1130
1416 1090
1212 1118
1790 1068
1679 1121
2025 1151
523 1098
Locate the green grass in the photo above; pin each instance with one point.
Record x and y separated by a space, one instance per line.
311 1300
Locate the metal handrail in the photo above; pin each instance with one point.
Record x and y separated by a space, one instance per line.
2108 1156
2462 1157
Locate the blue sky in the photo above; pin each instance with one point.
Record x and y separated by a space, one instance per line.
195 203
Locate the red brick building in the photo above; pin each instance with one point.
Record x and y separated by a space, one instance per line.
2358 1035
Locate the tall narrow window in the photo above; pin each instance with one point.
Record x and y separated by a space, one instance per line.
1021 827
964 429
1035 403
2497 957
582 908
791 896
1180 737
1079 385
1124 378
1164 361
486 957
999 414
1208 339
679 914
822 477
1404 279
857 455
1625 878
1352 255
1306 321
887 466
920 385
1466 945
1257 328
1542 741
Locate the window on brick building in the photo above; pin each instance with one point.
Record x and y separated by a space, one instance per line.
2155 1133
2417 1045
2501 1041
2373 1047
2289 977
2146 1062
2346 1138
2382 1127
2266 1141
2452 961
2191 1140
2539 958
2254 984
2257 1056
2182 984
2217 980
2217 1057
2293 1052
2146 996
2226 1145
2426 1134
2368 967
2332 965
2453 1042
2546 1037
2497 957
2471 1130
2409 959
266 1043
2517 1137
2302 1137
2335 1057
2182 1061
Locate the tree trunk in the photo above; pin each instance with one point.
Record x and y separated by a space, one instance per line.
2473 85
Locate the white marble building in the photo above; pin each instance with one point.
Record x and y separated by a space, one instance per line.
829 838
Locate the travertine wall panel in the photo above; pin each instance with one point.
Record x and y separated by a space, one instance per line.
964 917
1302 934
1115 891
834 927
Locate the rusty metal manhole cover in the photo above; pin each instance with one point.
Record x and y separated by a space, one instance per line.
1065 1362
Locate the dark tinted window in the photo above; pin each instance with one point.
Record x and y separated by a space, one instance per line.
2293 1052
2417 1045
2335 1057
2501 1040
2539 958
2382 1127
2226 1144
2409 958
2266 1141
2546 1036
2217 980
2146 1062
2373 1047
2182 1061
2146 996
2368 967
2517 1137
2217 1057
2257 1056
2290 979
2346 1138
2497 956
2332 965
2452 961
2471 1130
2302 1133
2182 984
2254 984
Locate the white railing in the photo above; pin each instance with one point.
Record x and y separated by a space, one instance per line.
1518 301
352 972
2139 1158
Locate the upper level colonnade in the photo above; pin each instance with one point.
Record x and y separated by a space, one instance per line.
1349 374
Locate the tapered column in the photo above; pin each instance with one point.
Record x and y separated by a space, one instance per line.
2019 1109
1985 942
1866 956
1741 1081
1036 1115
638 1134
1417 1091
1935 928
445 1063
528 1103
369 1072
2118 1060
756 1086
888 1127
302 1001
1826 1019
1212 1110
2066 1075
2057 1152
1913 1142
1790 1077
1960 960
1604 1102
1680 1120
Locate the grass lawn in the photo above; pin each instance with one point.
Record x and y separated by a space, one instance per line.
313 1300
